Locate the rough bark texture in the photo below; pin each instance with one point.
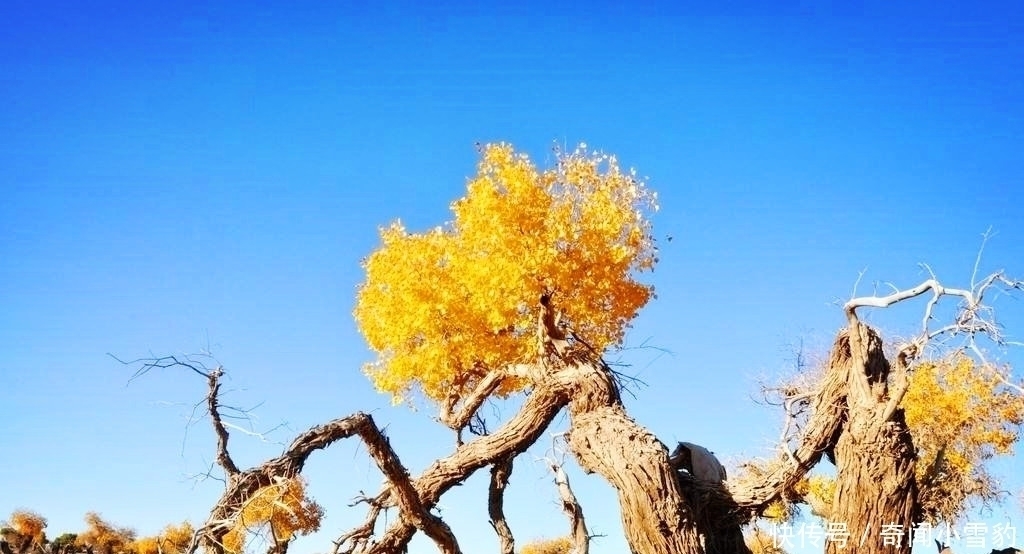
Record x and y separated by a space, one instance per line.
243 485
719 518
496 505
819 437
514 437
573 510
876 490
855 420
605 440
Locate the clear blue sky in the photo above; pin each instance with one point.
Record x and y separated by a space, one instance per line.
181 177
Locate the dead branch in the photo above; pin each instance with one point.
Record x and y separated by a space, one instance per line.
478 425
357 539
754 491
288 465
420 494
414 498
146 364
212 377
572 509
212 403
500 473
406 496
973 317
791 413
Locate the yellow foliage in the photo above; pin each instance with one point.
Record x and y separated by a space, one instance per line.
966 415
561 545
177 537
780 511
28 524
146 545
282 509
821 486
24 529
444 307
103 537
174 539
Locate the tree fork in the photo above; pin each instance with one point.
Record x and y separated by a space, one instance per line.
514 437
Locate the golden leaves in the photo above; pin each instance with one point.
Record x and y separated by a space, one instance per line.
102 536
960 415
281 509
444 307
560 545
28 524
147 545
23 529
178 536
174 539
779 510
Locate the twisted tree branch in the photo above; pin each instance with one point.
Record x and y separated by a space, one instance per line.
500 473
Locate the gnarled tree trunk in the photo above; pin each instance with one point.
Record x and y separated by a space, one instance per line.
876 492
605 440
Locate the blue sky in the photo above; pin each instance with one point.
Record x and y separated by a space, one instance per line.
183 177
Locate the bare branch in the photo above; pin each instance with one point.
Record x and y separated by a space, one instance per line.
572 509
973 317
415 498
163 363
790 419
212 401
970 317
977 260
406 496
500 473
357 539
478 425
985 364
755 490
860 275
515 436
212 377
885 301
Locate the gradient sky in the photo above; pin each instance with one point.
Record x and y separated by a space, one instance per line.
185 177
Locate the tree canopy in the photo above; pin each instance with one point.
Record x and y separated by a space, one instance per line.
444 307
25 529
103 537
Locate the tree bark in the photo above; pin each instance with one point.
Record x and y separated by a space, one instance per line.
875 488
876 491
656 518
500 472
512 438
577 523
